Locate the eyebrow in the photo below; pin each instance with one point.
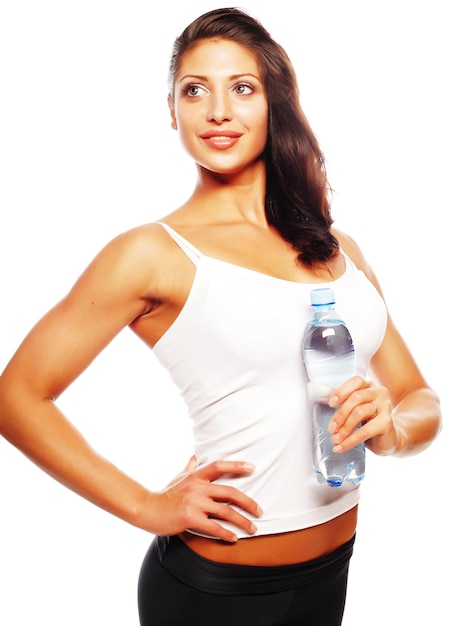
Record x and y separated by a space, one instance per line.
205 78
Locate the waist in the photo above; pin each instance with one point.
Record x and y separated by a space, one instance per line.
278 549
227 579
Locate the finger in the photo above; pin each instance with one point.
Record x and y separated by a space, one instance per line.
227 513
188 469
341 393
191 465
216 469
361 426
348 416
226 494
374 408
209 527
357 408
348 419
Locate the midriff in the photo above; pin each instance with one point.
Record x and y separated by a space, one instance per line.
278 549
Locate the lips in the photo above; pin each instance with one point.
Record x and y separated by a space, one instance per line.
221 139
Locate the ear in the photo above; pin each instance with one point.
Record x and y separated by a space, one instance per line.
173 123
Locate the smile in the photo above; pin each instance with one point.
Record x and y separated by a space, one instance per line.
221 142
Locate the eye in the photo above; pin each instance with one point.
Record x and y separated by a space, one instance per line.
193 90
243 88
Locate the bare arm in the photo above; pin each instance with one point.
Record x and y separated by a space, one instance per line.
118 287
408 411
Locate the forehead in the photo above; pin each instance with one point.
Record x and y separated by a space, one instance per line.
218 57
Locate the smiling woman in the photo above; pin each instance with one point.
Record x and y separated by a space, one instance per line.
219 104
219 290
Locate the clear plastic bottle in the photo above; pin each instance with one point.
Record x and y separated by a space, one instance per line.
329 359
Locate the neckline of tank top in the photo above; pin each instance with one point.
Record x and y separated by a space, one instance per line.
349 265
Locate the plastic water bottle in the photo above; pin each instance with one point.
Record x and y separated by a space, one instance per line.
329 358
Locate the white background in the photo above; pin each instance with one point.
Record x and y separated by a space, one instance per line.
86 151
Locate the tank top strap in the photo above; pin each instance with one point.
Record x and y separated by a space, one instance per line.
189 249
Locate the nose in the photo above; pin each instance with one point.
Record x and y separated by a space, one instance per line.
220 108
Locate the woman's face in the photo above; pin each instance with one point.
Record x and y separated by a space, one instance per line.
220 106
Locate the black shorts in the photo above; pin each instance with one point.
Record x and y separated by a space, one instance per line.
178 587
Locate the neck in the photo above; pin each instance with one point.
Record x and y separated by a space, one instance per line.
232 197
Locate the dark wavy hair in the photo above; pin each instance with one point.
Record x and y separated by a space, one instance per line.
297 190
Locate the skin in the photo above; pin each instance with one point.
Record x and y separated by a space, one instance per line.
141 279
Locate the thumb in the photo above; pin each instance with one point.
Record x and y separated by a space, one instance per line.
191 465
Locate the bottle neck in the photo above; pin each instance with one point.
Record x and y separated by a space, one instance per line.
324 312
321 309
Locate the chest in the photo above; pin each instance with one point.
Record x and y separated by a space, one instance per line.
263 251
257 321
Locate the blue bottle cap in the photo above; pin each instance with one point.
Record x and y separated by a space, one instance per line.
322 295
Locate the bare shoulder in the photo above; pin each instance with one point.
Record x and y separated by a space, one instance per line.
148 275
128 273
139 242
134 255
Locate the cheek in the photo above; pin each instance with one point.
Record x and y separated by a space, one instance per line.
261 126
187 119
189 142
185 138
183 123
258 121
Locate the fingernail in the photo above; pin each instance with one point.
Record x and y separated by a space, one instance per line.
252 529
249 466
259 510
332 427
333 401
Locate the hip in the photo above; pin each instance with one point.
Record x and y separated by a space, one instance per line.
176 582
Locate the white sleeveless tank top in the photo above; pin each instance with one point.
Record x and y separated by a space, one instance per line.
235 354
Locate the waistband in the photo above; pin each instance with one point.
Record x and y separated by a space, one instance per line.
227 579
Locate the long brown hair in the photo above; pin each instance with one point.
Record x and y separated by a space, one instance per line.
297 191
